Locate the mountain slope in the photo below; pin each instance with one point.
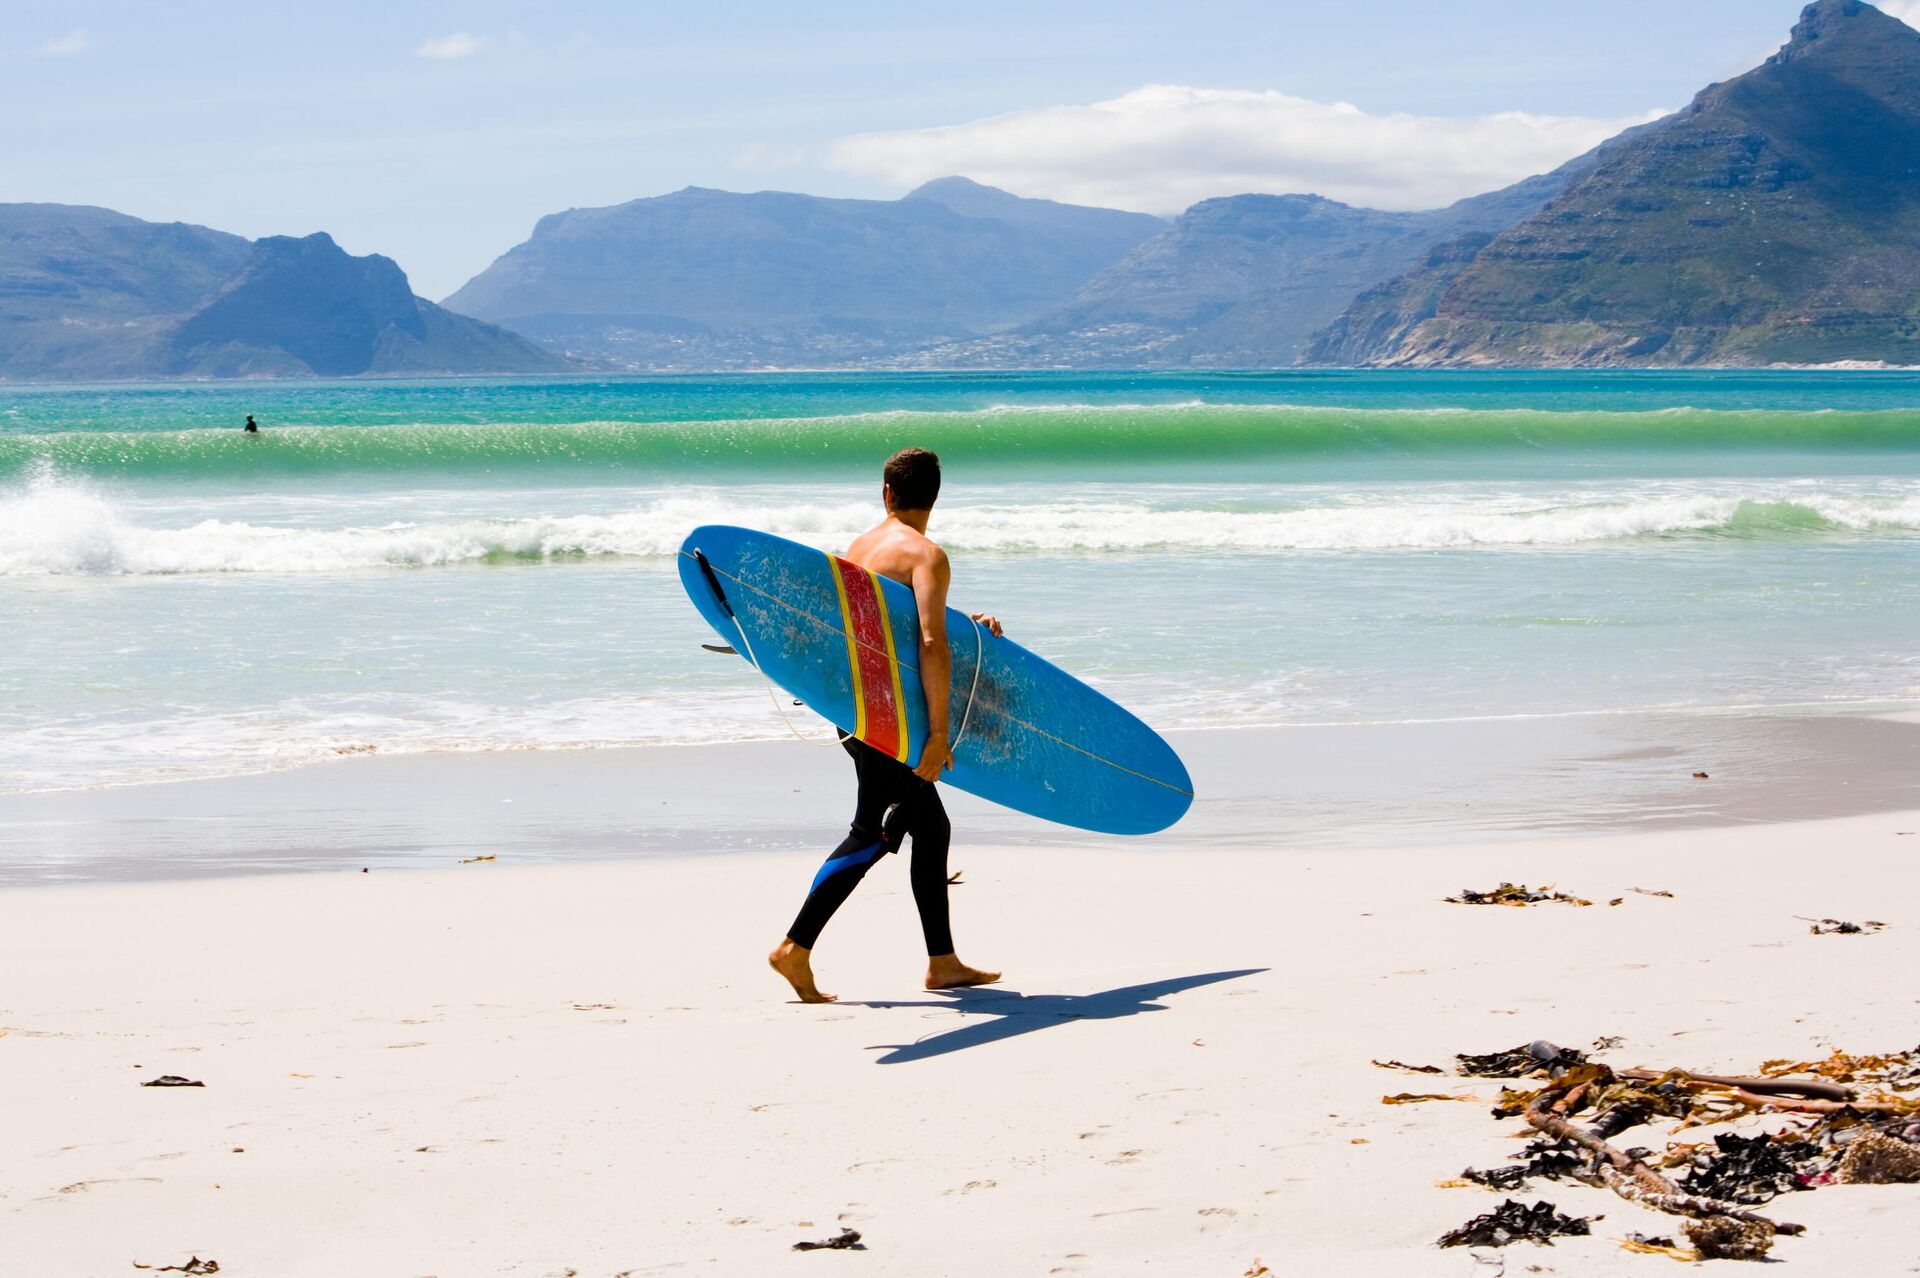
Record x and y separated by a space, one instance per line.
1775 220
704 278
88 293
1241 281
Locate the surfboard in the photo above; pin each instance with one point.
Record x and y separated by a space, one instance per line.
846 643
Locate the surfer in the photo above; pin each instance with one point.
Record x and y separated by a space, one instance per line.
894 802
252 427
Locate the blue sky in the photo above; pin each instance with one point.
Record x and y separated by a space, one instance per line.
438 132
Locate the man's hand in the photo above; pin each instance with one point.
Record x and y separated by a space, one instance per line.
991 622
935 757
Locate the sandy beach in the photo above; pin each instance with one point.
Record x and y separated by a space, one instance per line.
586 1069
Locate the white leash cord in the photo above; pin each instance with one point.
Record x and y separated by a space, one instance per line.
773 693
979 656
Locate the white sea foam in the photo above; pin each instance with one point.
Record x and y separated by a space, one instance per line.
61 528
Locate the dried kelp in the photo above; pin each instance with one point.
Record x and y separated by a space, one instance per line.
1726 1238
172 1080
1511 1222
1828 1132
1754 1169
1411 1069
1878 1158
1840 927
1898 1070
1537 1057
1514 894
1545 1159
845 1240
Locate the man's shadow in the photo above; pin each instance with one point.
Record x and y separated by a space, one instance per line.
1009 1013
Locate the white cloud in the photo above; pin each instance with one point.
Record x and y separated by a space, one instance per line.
1162 147
78 40
448 47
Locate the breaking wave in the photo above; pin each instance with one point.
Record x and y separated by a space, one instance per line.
1061 435
57 527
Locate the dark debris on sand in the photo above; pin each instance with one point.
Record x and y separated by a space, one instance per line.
845 1240
1537 1057
1826 1127
1752 1170
172 1080
1511 1222
1841 927
1546 1159
1514 894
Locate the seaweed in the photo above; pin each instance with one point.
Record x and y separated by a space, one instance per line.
1877 1158
1411 1069
1840 927
1753 1169
1516 894
845 1240
1511 1222
1897 1070
172 1080
1727 1238
1536 1057
1547 1159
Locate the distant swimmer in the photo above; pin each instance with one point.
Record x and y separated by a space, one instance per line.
252 427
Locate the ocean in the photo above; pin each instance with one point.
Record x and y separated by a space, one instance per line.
410 566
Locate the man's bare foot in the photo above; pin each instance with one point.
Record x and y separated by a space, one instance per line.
795 962
947 972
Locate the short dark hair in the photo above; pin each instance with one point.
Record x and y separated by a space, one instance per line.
914 476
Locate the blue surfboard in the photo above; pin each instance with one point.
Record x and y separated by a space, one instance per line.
846 642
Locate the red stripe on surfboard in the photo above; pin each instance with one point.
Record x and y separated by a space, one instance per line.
870 650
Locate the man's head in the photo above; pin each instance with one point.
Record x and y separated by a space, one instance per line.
912 478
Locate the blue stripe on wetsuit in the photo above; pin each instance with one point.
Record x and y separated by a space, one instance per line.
852 860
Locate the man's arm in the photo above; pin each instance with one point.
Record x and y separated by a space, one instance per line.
931 578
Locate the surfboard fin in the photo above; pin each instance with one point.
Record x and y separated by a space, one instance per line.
713 582
721 648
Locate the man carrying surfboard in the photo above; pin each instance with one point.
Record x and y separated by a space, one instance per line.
893 801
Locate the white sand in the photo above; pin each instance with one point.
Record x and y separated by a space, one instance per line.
586 1069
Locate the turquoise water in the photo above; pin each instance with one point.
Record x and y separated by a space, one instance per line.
406 566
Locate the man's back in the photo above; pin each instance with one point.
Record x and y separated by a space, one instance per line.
893 549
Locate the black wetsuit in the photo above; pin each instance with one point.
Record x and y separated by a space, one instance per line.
892 804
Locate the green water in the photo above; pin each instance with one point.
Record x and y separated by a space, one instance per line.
481 565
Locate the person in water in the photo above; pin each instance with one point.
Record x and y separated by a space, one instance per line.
252 427
894 802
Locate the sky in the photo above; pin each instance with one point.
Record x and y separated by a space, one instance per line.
438 133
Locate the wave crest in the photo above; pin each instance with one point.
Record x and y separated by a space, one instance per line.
59 528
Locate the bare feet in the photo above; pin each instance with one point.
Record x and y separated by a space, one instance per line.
947 972
795 962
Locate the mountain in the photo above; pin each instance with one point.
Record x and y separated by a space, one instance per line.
713 279
1241 281
87 293
1775 220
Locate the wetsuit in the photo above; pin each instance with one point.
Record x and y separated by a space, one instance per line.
892 804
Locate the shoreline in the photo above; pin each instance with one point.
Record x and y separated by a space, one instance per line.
1358 787
589 1067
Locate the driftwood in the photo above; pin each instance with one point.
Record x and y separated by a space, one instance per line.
1625 1175
1806 1087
